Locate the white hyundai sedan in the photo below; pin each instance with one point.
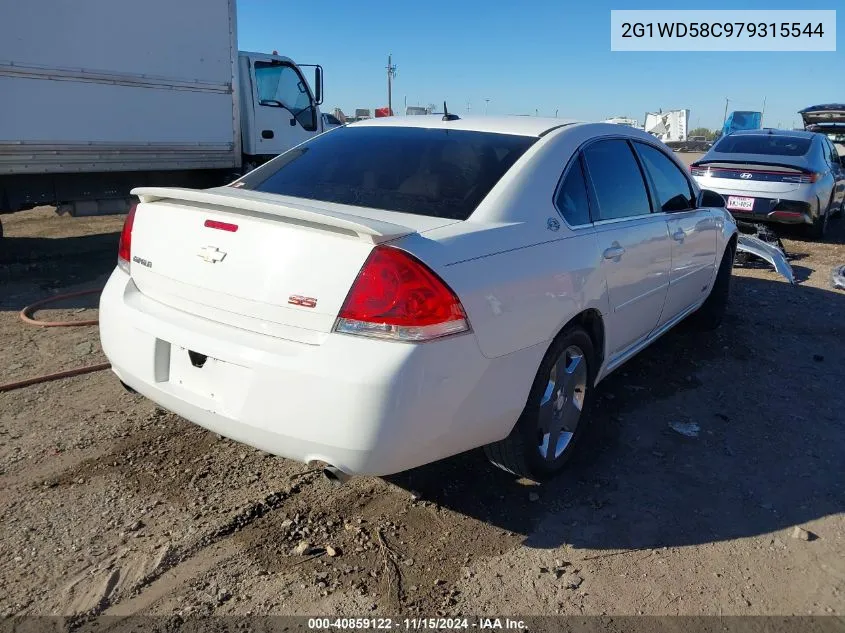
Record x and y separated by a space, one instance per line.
405 289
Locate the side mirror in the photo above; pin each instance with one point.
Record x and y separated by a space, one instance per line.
709 198
318 85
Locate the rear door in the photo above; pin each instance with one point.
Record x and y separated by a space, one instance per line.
634 241
693 231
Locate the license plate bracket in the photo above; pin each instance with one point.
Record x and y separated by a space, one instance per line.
217 383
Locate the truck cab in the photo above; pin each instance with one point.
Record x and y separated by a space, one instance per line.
278 108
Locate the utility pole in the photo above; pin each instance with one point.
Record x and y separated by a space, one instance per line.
725 120
469 106
556 111
486 103
391 74
763 112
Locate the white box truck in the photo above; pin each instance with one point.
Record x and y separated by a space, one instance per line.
99 96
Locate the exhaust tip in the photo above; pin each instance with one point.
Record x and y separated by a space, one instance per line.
335 475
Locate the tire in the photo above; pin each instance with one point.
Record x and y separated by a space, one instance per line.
709 315
552 401
818 229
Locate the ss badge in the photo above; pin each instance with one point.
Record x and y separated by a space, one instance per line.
305 302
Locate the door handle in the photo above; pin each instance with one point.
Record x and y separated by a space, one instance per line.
679 235
614 252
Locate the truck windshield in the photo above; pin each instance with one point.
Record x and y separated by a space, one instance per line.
425 171
281 84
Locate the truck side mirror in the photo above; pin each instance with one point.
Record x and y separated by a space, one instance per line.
318 84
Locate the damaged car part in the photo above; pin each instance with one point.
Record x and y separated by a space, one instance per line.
763 250
837 278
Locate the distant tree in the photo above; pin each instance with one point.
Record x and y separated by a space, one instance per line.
703 131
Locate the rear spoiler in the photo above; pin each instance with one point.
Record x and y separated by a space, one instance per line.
761 163
366 229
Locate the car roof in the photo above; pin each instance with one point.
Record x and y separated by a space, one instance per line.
517 125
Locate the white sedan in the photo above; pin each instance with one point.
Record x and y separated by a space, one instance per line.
405 289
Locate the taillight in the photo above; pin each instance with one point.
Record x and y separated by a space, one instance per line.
124 250
397 297
808 177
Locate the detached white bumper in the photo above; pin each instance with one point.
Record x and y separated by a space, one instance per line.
365 406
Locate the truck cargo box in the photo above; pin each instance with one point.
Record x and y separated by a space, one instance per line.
80 95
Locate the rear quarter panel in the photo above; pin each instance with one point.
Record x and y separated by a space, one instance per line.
519 270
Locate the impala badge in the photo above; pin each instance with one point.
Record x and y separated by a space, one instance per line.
211 254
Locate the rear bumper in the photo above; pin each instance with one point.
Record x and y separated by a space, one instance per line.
776 210
362 405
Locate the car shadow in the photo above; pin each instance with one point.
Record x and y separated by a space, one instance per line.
760 401
34 267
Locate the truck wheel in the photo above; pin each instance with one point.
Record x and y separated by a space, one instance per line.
709 315
556 414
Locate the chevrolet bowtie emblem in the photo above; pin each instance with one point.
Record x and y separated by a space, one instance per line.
211 254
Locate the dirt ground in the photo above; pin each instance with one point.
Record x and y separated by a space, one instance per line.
112 506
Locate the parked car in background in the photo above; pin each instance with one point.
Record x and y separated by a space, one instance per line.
776 176
330 121
827 119
407 288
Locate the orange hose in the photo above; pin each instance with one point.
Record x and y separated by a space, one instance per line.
9 386
27 312
26 316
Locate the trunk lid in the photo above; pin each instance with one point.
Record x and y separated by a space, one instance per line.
823 116
753 177
261 262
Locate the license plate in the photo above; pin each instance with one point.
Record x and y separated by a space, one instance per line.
740 204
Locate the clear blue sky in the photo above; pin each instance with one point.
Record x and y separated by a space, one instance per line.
546 55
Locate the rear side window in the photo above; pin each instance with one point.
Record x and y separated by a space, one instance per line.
433 172
765 144
672 187
617 180
572 200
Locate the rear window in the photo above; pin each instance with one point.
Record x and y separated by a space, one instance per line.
768 144
433 172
